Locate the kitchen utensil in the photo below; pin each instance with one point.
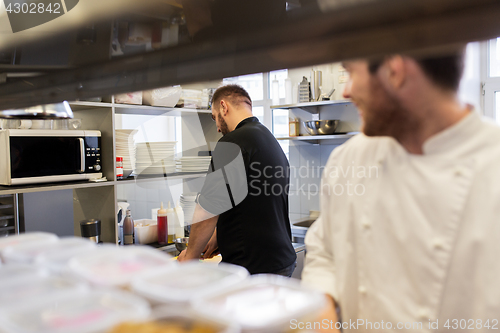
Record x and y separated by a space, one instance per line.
316 83
326 97
321 127
181 243
91 229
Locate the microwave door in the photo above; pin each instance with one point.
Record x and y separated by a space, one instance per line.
46 156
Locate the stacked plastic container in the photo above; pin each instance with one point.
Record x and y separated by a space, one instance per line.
56 285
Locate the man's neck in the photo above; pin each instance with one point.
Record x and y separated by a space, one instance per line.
430 119
239 118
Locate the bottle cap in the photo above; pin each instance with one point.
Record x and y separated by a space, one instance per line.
169 209
162 211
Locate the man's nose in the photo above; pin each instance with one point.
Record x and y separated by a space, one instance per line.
347 90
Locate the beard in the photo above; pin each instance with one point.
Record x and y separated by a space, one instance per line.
383 115
224 129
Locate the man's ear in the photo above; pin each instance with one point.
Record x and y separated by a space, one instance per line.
223 107
394 71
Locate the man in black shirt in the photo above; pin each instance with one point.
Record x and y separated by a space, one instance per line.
245 194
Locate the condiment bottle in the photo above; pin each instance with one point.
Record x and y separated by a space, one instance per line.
162 225
179 214
293 125
119 167
128 229
171 223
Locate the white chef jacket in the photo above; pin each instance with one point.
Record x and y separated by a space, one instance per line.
422 242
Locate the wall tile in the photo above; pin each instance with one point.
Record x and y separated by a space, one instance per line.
326 150
141 211
129 191
310 180
141 193
294 154
153 195
310 155
294 202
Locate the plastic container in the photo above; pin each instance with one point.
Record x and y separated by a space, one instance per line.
35 238
169 319
145 231
162 225
34 288
187 282
57 256
179 216
262 303
90 312
15 272
167 97
110 265
27 252
172 223
129 98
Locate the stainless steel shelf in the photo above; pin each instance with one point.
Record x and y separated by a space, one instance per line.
137 109
51 187
178 175
312 107
316 139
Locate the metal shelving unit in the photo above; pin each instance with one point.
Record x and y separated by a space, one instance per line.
311 107
316 139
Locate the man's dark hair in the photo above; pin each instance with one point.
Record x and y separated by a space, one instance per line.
445 71
233 92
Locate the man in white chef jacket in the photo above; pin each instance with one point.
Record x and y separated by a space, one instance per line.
409 232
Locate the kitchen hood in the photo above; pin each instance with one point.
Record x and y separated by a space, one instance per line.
48 111
315 32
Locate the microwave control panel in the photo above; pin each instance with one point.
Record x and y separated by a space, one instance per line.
93 154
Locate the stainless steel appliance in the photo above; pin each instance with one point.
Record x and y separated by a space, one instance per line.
40 156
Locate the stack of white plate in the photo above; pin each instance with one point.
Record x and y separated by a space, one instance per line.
155 158
193 163
125 148
188 204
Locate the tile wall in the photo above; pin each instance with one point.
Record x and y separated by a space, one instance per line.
307 162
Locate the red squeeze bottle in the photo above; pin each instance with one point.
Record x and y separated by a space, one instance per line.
162 225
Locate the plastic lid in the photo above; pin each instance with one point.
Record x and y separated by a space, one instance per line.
57 256
36 289
95 311
162 211
119 159
183 283
262 303
13 272
110 265
27 252
90 228
39 238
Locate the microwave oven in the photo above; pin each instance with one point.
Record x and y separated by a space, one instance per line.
42 156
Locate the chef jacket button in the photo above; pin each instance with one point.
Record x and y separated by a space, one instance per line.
459 172
438 244
423 314
366 224
362 290
380 162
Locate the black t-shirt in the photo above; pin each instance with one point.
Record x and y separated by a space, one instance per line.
247 186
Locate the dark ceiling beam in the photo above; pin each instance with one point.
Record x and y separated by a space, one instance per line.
369 30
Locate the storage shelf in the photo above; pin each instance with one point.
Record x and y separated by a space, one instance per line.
316 139
6 206
7 228
312 107
149 178
32 188
137 109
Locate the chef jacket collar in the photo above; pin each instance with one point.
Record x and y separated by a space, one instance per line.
454 135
